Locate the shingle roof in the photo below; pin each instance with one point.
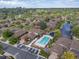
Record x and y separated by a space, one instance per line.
52 24
64 42
37 30
53 55
57 49
75 45
28 36
20 33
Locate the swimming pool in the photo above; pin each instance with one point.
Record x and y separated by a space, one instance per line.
43 41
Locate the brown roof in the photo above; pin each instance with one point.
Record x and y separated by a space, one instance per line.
54 56
28 21
52 24
36 22
25 37
36 30
14 30
57 49
75 45
29 35
19 33
64 42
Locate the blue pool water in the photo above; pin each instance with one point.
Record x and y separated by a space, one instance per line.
44 40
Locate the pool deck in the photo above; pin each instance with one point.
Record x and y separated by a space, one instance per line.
38 45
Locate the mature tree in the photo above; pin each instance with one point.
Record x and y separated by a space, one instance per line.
69 55
20 26
59 24
7 33
43 25
13 40
76 31
57 34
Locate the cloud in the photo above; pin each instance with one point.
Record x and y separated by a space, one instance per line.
10 4
72 0
39 3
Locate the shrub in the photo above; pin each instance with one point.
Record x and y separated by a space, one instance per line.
13 40
6 34
20 26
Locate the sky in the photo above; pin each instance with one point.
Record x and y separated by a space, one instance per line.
39 3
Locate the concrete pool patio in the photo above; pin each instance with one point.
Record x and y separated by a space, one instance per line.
43 41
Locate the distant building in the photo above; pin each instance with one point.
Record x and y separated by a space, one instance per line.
36 24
